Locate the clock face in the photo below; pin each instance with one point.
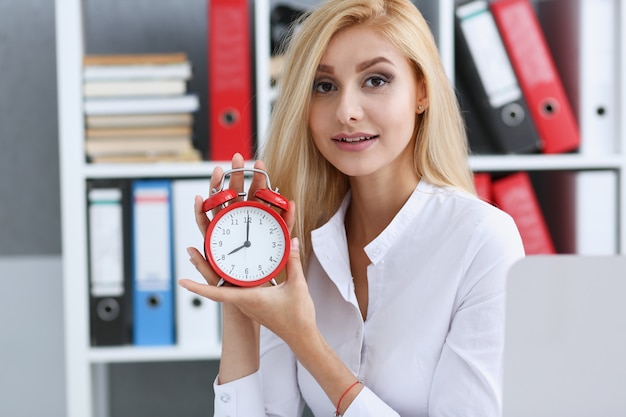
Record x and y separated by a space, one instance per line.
247 243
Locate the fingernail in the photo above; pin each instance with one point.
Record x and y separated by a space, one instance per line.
295 244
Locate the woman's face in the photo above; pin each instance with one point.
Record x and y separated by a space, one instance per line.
365 97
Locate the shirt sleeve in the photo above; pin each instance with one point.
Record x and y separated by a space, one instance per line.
368 404
468 376
272 391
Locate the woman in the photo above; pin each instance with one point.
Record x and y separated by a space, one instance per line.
401 311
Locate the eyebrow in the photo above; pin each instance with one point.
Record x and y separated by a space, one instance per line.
359 67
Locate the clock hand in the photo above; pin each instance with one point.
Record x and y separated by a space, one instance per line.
237 249
248 229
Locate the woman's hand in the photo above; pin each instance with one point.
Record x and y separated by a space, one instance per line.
286 309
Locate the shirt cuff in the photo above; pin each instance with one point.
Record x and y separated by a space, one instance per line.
366 403
242 397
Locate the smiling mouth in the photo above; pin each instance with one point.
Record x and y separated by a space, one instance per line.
357 139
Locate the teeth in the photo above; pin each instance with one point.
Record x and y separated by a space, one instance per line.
361 138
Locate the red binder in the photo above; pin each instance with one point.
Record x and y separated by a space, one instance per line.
230 80
482 182
537 75
515 195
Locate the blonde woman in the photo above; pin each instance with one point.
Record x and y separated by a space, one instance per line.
393 299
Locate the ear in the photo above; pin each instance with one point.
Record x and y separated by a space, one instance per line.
422 97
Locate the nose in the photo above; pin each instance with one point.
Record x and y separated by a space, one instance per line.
349 108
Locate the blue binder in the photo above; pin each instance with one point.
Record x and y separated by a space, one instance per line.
153 299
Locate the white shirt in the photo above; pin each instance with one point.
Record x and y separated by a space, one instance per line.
433 339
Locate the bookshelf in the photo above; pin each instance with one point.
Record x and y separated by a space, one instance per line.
86 366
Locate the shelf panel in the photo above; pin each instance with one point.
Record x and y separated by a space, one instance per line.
152 354
574 162
155 170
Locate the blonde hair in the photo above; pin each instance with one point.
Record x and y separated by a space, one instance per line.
294 163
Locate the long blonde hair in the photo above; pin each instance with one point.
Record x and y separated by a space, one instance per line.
294 163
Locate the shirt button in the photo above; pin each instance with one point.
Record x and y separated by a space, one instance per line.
225 398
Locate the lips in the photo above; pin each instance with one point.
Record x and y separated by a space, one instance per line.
354 139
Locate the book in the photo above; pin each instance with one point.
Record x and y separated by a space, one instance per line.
189 156
537 75
135 59
484 68
139 132
138 120
153 145
182 71
163 104
515 194
149 87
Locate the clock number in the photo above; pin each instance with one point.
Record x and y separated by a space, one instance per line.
226 232
273 244
234 222
260 268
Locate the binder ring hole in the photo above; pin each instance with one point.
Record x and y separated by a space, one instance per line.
513 114
549 107
154 301
196 302
229 117
108 309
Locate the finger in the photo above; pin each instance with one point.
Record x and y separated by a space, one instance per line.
237 179
201 218
202 266
290 215
294 265
221 294
258 179
216 180
209 291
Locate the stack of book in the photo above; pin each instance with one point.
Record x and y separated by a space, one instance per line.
137 108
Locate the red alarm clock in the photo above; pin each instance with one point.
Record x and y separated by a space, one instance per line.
247 242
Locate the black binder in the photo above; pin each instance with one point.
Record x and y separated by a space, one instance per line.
110 296
484 69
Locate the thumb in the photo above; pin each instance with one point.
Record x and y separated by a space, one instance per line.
294 265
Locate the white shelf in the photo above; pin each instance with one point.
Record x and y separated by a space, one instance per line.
538 162
151 354
155 170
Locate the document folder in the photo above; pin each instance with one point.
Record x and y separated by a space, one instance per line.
231 104
153 300
485 70
109 262
537 75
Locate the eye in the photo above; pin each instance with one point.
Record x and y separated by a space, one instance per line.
376 81
323 86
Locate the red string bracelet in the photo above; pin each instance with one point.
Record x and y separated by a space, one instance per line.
342 396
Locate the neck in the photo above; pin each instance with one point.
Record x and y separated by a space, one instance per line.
374 204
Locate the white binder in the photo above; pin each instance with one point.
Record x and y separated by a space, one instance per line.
197 318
